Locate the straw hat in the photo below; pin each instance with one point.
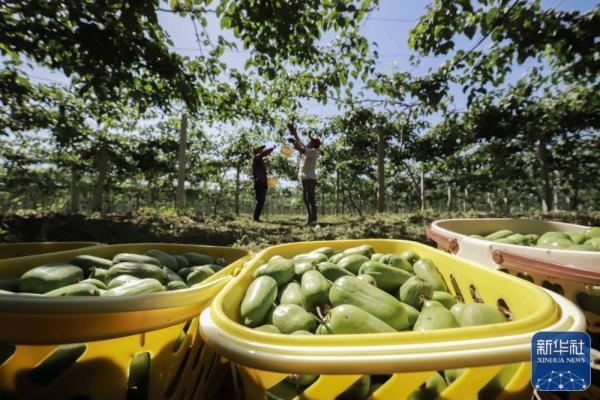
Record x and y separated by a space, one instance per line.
258 149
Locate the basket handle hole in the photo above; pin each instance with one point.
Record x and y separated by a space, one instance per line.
6 352
200 353
181 338
504 309
457 290
177 378
209 365
475 294
555 287
445 282
588 302
525 276
56 363
138 384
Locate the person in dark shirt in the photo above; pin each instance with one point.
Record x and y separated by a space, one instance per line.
259 174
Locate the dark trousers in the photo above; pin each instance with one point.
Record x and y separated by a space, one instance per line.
260 190
310 200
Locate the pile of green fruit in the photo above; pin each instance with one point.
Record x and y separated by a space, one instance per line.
589 240
125 274
354 291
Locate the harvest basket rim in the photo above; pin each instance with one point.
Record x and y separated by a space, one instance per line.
32 304
216 325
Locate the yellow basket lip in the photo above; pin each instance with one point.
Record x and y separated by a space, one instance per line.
39 304
33 304
381 359
50 243
547 314
73 246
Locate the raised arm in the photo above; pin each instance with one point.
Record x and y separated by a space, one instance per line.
267 152
298 145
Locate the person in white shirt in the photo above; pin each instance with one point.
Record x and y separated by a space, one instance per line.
307 173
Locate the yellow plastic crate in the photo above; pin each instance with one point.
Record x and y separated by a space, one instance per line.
9 251
262 360
156 332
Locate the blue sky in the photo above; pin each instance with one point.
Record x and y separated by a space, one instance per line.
388 26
